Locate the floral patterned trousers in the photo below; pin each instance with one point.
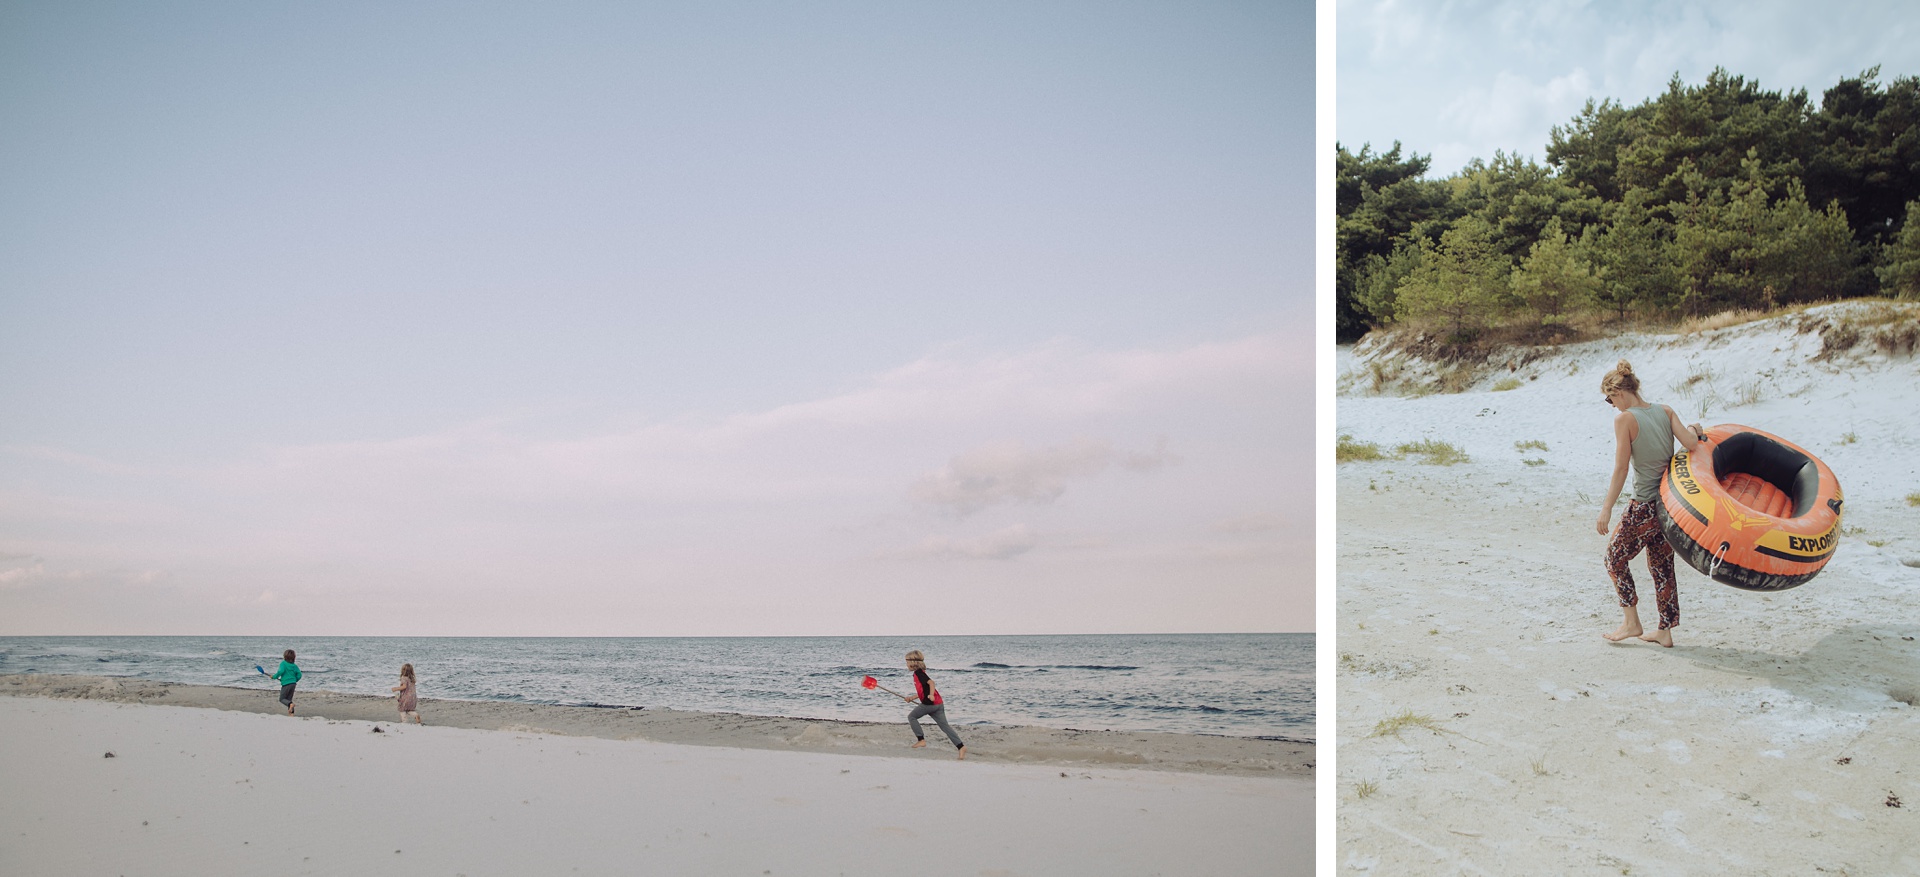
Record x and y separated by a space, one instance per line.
1640 528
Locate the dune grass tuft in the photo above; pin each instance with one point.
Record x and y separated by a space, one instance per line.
1721 320
1393 725
1436 452
1347 449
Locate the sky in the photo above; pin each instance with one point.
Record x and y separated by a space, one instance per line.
1461 79
639 319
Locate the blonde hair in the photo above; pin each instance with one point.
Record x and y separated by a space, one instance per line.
406 670
1621 378
916 661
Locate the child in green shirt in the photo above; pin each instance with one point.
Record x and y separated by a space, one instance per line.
288 674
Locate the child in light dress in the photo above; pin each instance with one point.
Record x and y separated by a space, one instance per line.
409 696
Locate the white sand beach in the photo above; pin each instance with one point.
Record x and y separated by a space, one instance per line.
222 785
1484 727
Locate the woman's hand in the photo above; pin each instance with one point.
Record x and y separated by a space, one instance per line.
1606 517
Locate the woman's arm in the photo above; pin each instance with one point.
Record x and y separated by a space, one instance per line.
1622 458
1689 436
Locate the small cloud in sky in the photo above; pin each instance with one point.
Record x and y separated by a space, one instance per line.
1258 522
16 569
1004 544
70 458
1158 458
1010 472
1517 108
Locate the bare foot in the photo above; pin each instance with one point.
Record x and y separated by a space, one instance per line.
1625 630
918 744
963 753
1663 637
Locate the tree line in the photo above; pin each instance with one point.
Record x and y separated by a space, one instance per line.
1705 198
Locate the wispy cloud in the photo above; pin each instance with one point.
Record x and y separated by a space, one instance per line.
1010 472
18 568
1259 522
804 491
1003 544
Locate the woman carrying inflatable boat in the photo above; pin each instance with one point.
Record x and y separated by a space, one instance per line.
1644 434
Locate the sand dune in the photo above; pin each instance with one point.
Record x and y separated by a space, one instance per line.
1483 725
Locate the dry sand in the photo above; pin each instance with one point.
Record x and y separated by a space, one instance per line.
1483 725
502 789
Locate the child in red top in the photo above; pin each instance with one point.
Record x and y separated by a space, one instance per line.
931 704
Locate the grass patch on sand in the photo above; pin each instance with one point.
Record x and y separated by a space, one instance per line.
1891 328
1436 452
1530 445
1347 449
1364 789
1913 499
1722 320
1457 380
1505 384
1393 725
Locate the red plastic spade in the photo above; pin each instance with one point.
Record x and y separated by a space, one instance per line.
870 682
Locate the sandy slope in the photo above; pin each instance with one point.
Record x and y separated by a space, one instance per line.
1773 740
216 792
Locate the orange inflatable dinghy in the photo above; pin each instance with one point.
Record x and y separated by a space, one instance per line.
1751 509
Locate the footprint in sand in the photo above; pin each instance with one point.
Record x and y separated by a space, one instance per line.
1677 751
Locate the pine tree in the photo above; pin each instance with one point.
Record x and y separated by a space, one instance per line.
1899 270
1555 278
1461 279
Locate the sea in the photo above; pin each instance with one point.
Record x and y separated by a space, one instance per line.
1237 685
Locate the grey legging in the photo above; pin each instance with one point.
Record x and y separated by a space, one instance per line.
939 714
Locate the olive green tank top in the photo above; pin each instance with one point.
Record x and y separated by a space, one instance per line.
1652 448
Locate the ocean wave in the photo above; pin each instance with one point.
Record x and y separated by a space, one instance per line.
1178 684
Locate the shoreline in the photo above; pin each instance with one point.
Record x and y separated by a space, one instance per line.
1260 757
